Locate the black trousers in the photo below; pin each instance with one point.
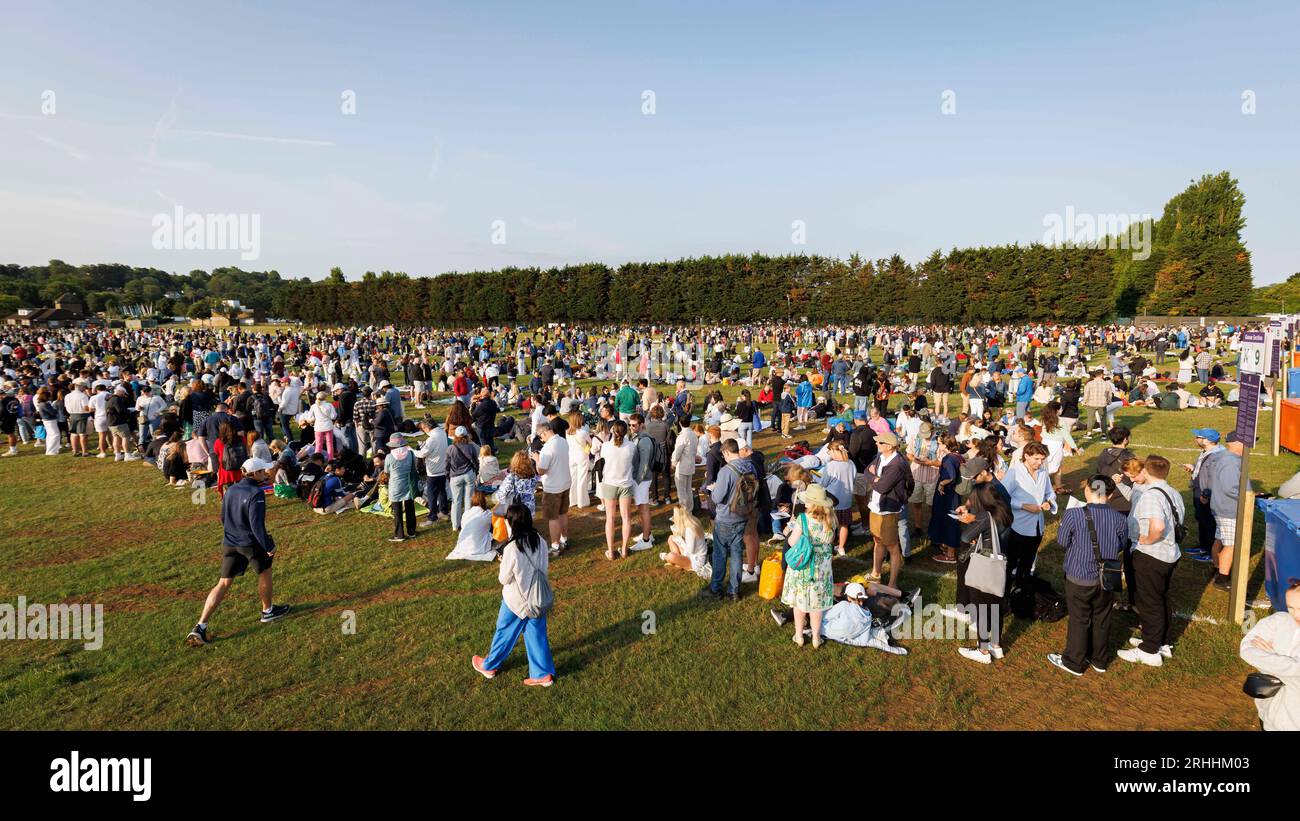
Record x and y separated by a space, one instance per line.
1087 635
435 496
1155 613
1021 552
404 519
1204 524
988 608
1130 575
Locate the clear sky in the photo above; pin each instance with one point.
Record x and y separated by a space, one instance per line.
532 114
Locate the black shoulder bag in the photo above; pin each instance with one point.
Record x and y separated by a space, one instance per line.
1110 572
1180 529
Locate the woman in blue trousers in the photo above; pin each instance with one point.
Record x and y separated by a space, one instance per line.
523 558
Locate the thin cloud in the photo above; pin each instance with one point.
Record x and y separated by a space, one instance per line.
74 153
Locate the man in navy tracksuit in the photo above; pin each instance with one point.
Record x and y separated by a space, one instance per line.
243 516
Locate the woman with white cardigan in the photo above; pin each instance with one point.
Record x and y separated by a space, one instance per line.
523 558
323 414
579 439
1032 495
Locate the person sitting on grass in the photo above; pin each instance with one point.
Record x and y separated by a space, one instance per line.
1273 646
334 497
489 469
688 546
525 595
246 541
474 542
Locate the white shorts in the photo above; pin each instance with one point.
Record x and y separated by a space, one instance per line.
641 493
101 426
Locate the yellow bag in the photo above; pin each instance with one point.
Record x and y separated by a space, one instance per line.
500 530
771 578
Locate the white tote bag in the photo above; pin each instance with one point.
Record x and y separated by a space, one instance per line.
987 572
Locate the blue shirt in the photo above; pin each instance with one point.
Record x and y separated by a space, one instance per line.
1080 563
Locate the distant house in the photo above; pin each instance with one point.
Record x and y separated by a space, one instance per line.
229 317
68 312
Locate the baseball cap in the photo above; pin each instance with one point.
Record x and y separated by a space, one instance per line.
886 439
853 590
256 465
1206 433
461 431
974 467
337 387
860 414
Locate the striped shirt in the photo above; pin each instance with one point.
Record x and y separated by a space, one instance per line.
1152 505
1112 535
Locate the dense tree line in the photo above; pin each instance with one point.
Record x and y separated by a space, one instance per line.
1197 266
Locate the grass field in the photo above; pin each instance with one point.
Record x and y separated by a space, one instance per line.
95 531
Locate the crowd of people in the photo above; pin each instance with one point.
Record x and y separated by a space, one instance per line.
947 443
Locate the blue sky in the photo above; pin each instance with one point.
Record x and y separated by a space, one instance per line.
765 113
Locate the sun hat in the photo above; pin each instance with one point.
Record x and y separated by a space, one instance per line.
338 386
381 400
816 495
397 440
886 438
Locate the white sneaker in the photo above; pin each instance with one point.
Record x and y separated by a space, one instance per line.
996 652
776 538
101 455
1135 655
959 615
117 457
749 576
975 655
10 452
1165 650
642 544
601 507
131 457
663 557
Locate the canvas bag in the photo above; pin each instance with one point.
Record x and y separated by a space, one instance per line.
987 572
538 598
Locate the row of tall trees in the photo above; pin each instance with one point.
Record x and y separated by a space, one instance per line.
1197 265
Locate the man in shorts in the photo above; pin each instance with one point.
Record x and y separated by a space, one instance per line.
77 405
888 473
642 478
243 516
10 410
553 467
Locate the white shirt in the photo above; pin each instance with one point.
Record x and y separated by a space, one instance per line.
99 404
554 459
618 463
1148 507
76 402
1282 711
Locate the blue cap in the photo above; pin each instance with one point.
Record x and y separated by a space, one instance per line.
1206 433
860 414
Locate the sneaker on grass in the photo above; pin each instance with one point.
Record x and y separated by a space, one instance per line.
277 612
198 636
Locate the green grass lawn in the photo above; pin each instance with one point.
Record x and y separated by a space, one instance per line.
95 531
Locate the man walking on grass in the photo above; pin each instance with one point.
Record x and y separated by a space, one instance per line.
243 516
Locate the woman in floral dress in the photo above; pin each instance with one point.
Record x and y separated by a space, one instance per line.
810 589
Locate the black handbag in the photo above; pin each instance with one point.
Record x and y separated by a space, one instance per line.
1180 529
1262 685
1110 572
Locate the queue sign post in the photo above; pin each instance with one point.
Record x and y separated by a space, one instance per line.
1254 362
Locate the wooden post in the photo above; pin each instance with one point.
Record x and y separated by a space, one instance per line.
1279 393
1241 551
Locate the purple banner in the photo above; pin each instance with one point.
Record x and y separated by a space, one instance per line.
1275 359
1248 408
